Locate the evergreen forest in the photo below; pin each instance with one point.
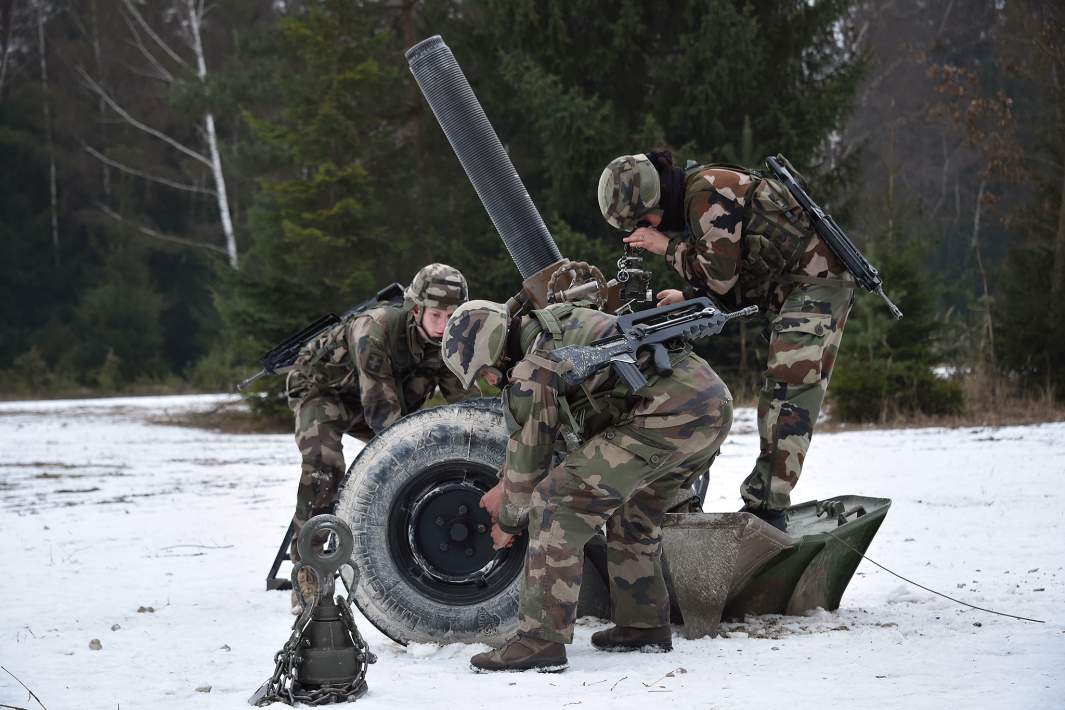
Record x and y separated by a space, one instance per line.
187 182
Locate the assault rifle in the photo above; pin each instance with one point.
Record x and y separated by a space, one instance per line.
841 245
284 354
654 329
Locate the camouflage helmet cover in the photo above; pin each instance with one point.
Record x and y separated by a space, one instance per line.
628 189
438 286
474 338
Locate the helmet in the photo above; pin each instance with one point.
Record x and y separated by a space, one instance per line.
628 189
474 338
438 286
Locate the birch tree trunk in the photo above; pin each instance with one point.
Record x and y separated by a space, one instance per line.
7 23
47 109
101 106
195 10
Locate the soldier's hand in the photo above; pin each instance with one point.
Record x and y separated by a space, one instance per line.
492 501
500 538
669 296
648 238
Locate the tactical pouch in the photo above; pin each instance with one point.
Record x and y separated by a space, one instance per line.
775 234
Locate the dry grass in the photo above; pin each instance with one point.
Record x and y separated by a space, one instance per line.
229 418
989 401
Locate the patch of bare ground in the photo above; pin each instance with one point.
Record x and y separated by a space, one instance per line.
988 402
228 418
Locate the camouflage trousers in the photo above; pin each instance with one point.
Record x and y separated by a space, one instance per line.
803 342
618 479
321 422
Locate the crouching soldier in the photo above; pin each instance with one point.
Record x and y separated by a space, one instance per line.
742 236
361 376
637 451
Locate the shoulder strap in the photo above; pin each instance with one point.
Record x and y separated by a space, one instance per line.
688 172
550 320
398 345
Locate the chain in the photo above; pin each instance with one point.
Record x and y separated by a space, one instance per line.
283 685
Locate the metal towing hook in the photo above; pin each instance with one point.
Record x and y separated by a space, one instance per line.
325 659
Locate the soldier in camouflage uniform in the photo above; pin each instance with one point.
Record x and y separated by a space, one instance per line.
362 375
743 238
634 453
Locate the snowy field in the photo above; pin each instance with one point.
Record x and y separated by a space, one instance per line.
155 540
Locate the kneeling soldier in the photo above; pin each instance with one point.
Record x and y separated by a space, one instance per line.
362 375
637 451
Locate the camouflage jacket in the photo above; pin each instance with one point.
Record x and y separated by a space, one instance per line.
748 239
380 362
535 403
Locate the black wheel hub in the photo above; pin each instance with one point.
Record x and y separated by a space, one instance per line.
450 535
441 539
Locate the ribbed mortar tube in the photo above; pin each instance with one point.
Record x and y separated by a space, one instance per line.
482 156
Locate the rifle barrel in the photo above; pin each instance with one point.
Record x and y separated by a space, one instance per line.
244 384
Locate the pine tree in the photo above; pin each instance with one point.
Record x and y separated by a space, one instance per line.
885 367
325 237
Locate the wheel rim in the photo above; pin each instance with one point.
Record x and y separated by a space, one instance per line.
440 538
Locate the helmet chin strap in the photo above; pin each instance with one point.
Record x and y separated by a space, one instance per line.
419 314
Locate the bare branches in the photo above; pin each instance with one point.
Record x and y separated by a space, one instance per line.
155 37
32 694
161 72
147 176
154 234
189 23
117 108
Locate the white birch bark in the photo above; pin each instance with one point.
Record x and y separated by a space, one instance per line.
192 13
195 10
101 107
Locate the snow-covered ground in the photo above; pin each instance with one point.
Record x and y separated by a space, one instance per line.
155 540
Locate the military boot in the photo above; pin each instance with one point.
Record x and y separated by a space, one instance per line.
776 518
523 653
629 638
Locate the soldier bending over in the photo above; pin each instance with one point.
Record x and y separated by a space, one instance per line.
361 376
743 238
637 451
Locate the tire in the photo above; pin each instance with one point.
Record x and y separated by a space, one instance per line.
423 559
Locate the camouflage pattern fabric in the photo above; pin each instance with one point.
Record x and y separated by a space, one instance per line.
747 261
438 286
749 242
354 360
628 188
623 475
803 344
321 421
474 338
345 381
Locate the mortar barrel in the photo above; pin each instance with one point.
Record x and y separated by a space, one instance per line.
477 147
